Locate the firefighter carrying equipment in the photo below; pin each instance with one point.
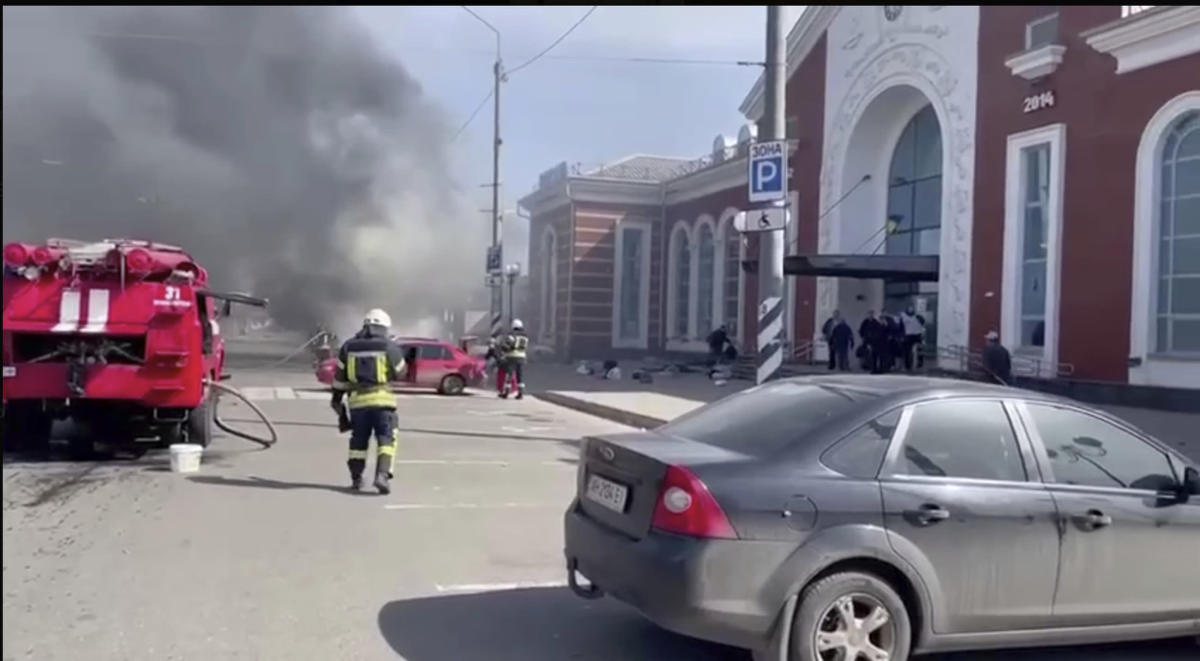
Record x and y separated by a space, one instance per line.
367 365
513 349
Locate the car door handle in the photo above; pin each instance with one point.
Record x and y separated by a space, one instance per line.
1095 519
930 514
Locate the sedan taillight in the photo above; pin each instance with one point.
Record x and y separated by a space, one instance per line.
686 507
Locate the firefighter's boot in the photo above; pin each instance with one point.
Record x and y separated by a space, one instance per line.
382 481
355 482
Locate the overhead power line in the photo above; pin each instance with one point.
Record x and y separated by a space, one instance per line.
474 113
556 42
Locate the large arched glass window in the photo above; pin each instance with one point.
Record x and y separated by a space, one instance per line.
915 188
705 272
1178 307
681 275
915 209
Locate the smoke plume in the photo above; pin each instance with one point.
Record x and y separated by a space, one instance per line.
279 145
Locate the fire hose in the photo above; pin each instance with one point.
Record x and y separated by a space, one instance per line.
226 390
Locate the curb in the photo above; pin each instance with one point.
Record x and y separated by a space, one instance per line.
627 418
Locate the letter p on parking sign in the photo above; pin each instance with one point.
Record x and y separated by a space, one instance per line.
768 171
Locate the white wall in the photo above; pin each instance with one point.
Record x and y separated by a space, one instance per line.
930 54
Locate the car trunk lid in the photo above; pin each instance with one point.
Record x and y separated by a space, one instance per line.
620 475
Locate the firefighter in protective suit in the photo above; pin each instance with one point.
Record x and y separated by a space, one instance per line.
368 364
513 359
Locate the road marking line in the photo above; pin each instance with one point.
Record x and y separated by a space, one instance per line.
258 393
477 462
496 587
312 394
470 506
285 393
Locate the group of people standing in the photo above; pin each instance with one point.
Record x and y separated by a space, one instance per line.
884 341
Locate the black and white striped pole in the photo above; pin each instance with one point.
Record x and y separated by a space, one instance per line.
768 179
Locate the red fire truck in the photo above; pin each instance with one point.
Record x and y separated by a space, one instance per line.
119 335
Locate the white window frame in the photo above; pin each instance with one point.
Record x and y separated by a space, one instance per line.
726 232
549 288
1054 135
1151 368
686 343
1035 22
643 339
715 296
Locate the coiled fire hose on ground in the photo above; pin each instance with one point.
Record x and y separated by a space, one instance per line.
223 389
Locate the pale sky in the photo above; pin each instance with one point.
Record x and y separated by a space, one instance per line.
571 109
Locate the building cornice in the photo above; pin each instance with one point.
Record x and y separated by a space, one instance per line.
1036 63
727 175
800 41
615 191
1148 37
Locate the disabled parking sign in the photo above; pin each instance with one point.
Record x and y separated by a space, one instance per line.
768 171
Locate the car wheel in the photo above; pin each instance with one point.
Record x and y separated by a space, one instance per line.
452 384
851 617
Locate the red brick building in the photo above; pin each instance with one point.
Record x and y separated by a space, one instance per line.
1044 162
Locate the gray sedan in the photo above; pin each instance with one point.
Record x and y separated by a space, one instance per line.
860 518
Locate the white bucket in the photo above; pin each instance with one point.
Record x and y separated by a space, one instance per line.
185 457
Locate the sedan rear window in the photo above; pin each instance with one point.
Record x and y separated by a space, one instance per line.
765 419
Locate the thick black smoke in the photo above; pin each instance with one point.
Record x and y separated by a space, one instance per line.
279 145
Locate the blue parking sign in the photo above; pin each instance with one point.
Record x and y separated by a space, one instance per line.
768 171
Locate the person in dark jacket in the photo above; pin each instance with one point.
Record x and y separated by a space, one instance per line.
716 344
841 341
871 330
996 360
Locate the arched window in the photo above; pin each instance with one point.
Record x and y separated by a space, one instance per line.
549 278
706 277
915 188
1178 308
914 211
731 256
680 263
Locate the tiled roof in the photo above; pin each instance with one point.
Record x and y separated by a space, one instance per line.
645 168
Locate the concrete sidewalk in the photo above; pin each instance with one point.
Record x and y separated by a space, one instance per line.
668 397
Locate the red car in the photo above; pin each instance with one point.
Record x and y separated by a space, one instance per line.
431 364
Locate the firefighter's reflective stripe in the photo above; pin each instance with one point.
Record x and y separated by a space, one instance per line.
388 450
381 362
380 397
358 454
517 348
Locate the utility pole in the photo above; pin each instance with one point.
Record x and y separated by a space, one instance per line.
497 291
771 244
495 282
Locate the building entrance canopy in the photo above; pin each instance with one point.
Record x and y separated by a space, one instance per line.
896 268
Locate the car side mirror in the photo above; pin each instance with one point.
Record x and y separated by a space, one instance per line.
1191 481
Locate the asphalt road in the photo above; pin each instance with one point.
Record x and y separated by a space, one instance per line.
265 555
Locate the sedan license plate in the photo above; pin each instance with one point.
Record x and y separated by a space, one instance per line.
607 493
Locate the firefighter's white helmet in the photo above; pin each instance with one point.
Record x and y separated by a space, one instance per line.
518 324
377 317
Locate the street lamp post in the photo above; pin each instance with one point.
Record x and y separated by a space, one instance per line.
512 272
